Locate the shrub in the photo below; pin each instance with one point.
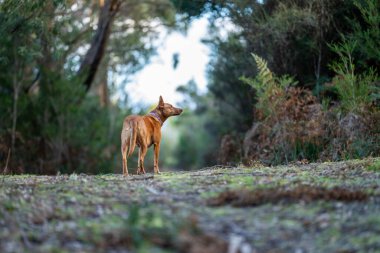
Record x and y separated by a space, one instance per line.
294 125
356 91
291 125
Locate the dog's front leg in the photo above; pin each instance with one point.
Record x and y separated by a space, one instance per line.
156 156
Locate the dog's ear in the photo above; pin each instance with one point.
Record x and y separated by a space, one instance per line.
161 102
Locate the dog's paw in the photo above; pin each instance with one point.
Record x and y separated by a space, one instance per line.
157 170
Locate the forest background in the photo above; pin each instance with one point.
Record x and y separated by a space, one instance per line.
295 80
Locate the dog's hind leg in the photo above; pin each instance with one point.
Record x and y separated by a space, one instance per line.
142 152
138 172
124 155
125 146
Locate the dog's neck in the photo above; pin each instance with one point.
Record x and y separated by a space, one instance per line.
157 116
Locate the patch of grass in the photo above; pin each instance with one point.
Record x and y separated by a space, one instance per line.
209 194
239 181
375 166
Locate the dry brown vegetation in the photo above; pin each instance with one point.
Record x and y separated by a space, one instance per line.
299 128
304 193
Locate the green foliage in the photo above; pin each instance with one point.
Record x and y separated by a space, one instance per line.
264 80
368 34
291 35
191 8
269 88
264 76
355 90
227 98
363 147
356 87
306 150
374 166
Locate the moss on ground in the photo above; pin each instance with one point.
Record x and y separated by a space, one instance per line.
169 212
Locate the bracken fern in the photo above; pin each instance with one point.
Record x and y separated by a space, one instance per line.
269 88
265 76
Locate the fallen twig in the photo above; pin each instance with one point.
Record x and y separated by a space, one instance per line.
218 167
140 178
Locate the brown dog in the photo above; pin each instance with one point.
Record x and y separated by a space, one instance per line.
144 131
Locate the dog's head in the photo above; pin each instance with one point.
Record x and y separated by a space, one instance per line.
167 110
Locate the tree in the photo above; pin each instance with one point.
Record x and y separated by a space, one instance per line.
95 53
51 53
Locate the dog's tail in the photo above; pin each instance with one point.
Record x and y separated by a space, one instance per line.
132 140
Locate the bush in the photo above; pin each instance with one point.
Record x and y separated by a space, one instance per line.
291 125
294 125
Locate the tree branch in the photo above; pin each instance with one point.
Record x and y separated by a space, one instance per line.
94 55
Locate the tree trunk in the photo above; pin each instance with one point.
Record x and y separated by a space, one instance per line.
94 55
102 88
16 90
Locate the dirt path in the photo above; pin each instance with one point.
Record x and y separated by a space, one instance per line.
324 207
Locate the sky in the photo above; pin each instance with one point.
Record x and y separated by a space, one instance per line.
159 77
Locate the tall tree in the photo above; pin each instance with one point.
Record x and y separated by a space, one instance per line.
95 53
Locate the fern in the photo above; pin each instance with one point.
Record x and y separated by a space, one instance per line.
264 80
264 84
267 86
265 76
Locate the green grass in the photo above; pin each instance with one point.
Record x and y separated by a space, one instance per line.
374 166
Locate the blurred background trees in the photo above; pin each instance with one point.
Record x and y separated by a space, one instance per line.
314 45
56 60
59 60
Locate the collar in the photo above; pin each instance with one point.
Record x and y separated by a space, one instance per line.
156 116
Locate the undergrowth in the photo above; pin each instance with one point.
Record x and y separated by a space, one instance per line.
293 124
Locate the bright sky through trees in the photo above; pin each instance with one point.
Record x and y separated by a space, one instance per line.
160 78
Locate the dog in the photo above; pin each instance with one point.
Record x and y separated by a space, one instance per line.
145 131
